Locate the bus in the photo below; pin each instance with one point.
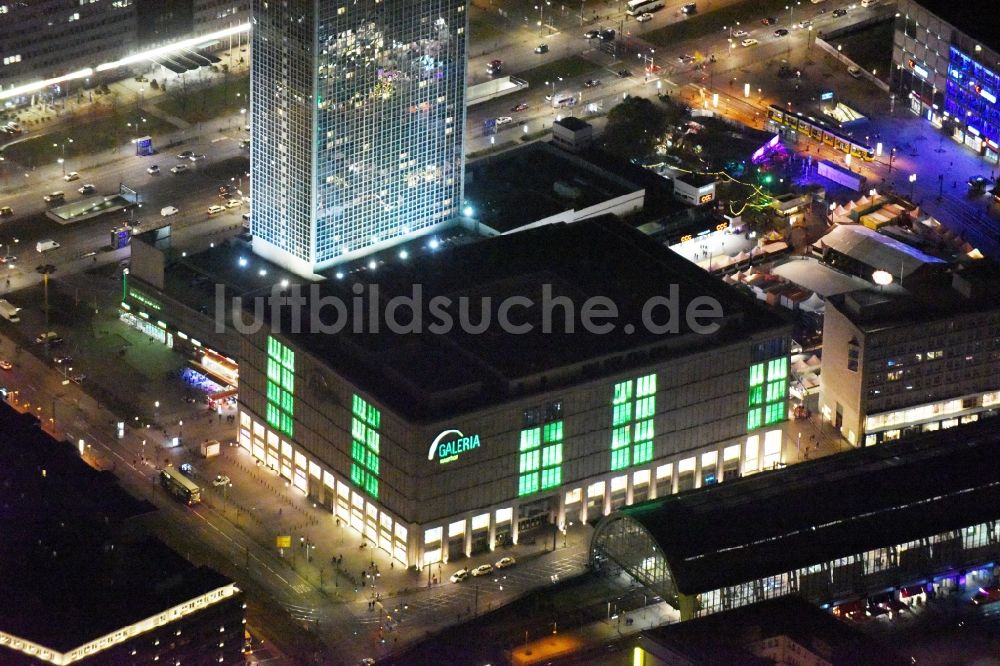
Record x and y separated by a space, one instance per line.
180 486
820 132
637 7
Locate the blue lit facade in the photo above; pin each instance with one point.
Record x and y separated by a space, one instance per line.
358 112
971 99
942 73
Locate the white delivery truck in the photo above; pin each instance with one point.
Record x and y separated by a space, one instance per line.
9 311
46 245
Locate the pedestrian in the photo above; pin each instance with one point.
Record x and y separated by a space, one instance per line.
392 564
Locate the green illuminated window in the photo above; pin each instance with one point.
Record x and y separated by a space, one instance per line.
632 427
280 388
768 393
365 444
540 459
622 414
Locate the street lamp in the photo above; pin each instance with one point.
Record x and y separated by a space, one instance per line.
62 160
912 179
46 270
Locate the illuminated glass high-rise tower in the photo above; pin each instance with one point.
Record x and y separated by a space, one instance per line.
357 117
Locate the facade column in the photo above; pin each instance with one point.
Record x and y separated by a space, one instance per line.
629 488
585 506
606 510
653 483
467 547
414 544
697 470
492 539
561 511
513 524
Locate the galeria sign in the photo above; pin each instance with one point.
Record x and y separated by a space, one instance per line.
447 446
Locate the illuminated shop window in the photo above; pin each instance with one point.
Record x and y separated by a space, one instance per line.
540 458
280 387
365 446
633 407
768 392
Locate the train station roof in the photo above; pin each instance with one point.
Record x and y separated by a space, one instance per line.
818 511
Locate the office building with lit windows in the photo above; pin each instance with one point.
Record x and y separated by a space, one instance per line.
946 68
442 443
357 134
897 362
83 582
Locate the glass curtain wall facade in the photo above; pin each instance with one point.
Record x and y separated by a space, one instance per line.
358 116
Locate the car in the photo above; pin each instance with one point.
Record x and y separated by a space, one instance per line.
517 108
186 468
226 189
592 34
854 71
154 170
180 168
54 197
495 67
986 595
686 58
89 188
483 570
62 360
740 33
167 211
78 378
839 12
71 176
6 365
505 562
221 480
690 8
212 210
233 203
642 18
979 183
197 157
9 259
607 35
749 42
185 155
459 576
6 211
542 48
781 32
624 73
51 337
769 20
504 120
592 83
805 24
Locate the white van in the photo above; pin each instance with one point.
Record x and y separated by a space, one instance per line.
9 311
869 3
46 245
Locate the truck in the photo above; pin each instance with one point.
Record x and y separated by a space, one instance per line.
9 311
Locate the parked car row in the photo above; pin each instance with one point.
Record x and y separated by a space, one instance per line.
482 569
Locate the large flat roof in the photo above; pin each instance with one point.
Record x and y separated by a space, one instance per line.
972 18
534 182
425 374
727 637
67 577
818 511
